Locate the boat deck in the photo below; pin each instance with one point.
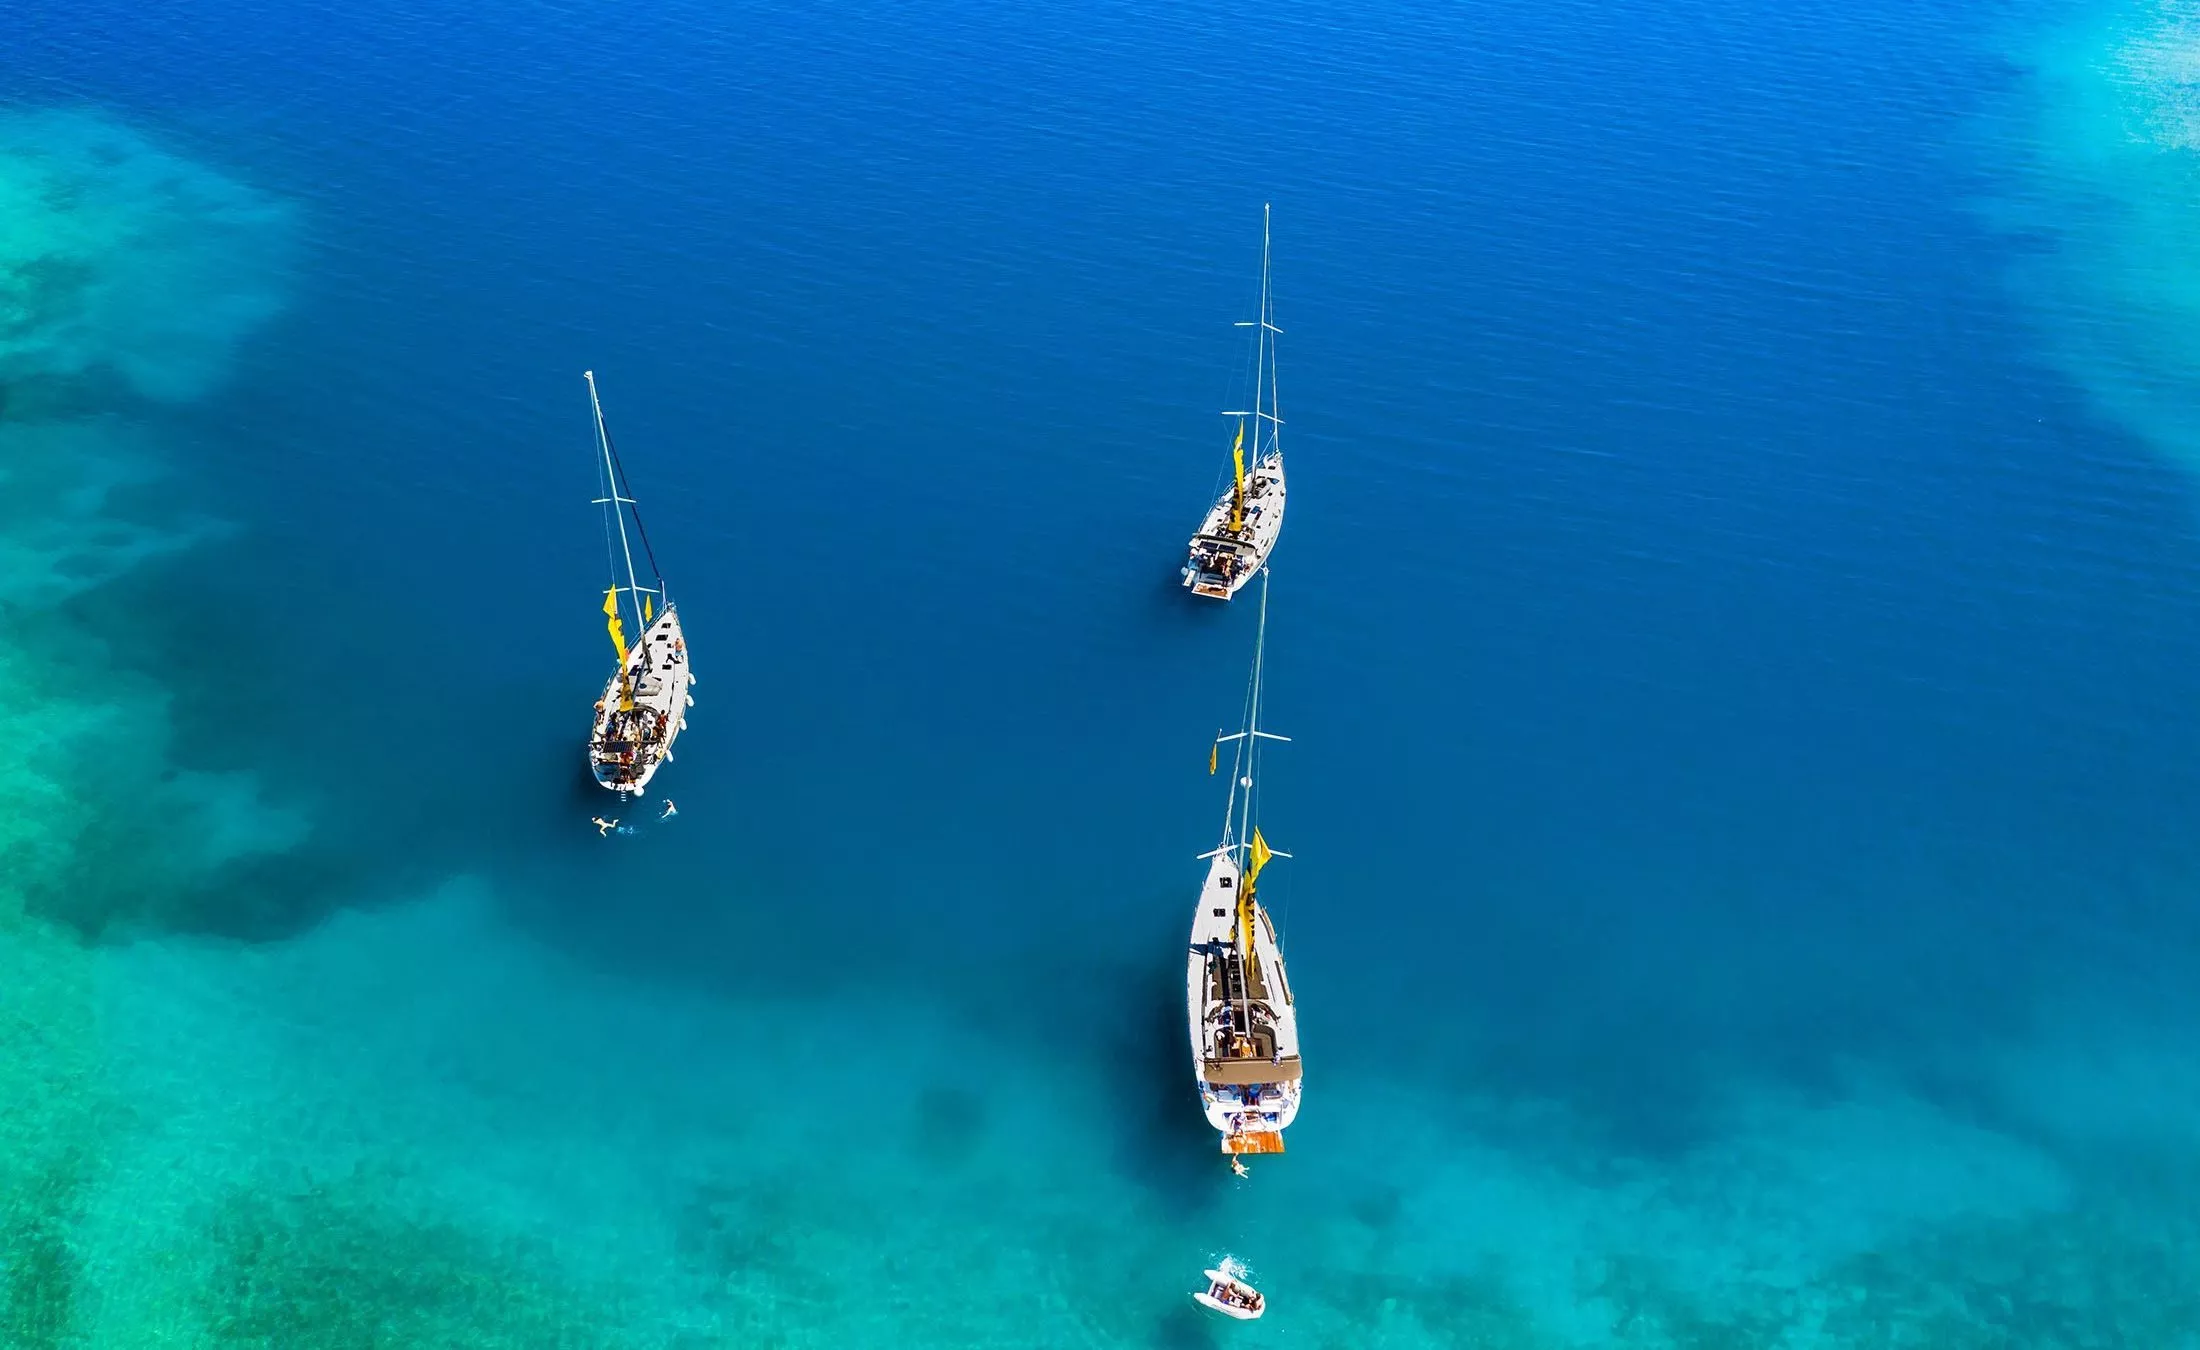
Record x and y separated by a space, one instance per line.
1222 560
1230 980
626 745
1244 1029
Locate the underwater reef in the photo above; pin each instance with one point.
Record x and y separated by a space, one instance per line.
121 261
2091 161
229 1124
129 276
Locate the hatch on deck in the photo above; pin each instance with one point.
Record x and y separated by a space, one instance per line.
1239 1072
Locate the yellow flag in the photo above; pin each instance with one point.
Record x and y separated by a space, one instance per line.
648 610
1237 493
1212 751
1261 856
611 611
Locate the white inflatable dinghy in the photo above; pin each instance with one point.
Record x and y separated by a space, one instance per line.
1231 1296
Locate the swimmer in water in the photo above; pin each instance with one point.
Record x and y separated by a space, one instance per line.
603 827
670 810
1237 1165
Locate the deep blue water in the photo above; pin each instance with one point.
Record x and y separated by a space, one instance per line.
1716 646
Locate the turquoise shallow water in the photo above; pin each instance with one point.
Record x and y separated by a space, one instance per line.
1736 626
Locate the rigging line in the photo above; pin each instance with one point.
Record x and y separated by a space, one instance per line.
1248 892
1262 359
607 491
1233 382
1275 396
605 494
619 467
1269 333
1237 775
1237 821
1248 371
603 437
1244 371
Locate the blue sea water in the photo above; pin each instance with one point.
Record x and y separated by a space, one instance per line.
1736 625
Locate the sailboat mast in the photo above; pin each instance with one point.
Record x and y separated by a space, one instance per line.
1262 354
1252 721
1264 380
1273 416
618 503
1244 916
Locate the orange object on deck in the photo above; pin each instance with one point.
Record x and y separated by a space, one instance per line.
1253 1141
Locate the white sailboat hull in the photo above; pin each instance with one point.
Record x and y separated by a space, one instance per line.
1221 561
626 747
1242 1020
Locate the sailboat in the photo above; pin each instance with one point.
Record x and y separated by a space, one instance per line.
644 705
1240 530
1244 1026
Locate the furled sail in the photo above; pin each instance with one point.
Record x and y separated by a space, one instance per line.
1260 856
618 630
1237 503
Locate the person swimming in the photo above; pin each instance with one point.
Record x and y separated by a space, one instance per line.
1237 1165
670 810
603 827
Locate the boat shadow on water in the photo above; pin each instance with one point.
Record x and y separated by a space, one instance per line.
1162 1143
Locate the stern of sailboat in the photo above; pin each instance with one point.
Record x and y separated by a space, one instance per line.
1253 1141
1219 564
